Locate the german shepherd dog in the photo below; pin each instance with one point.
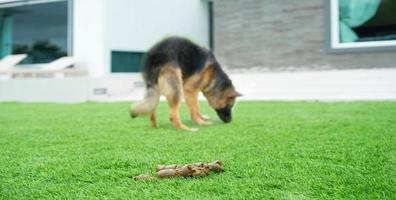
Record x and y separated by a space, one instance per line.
176 68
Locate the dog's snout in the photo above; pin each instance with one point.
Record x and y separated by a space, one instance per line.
224 114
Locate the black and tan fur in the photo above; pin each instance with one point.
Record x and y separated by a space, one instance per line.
177 68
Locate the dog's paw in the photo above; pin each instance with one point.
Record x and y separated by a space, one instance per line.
205 117
192 129
202 122
199 121
206 123
185 128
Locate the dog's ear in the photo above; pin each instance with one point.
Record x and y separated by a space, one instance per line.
234 94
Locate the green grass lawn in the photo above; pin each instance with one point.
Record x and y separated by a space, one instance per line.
271 150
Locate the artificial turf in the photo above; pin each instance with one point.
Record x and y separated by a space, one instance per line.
271 150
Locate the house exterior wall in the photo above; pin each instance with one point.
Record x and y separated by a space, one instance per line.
132 25
273 35
88 36
135 25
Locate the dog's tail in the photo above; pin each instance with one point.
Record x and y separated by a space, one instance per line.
147 105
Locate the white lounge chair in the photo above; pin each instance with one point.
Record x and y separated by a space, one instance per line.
56 68
9 62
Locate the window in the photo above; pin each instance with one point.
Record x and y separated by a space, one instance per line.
37 29
125 61
362 24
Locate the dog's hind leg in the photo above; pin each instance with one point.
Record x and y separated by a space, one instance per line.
171 86
153 119
147 105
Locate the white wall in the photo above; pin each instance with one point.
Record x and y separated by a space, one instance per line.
135 25
330 85
101 26
337 85
88 36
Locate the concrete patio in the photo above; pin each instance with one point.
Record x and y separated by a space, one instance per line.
333 85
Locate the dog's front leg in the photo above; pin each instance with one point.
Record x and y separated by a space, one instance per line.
191 98
174 117
170 82
204 117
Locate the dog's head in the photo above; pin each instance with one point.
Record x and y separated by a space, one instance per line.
222 102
